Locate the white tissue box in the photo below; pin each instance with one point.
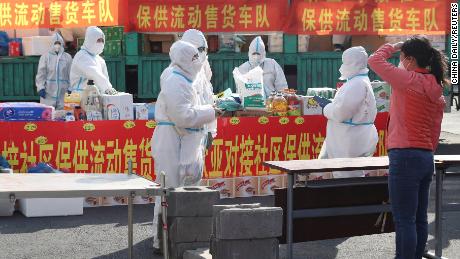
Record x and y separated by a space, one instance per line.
118 107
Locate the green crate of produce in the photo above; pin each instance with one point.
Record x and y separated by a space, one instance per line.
117 32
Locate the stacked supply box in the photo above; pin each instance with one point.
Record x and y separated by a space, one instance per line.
190 211
118 107
324 92
36 45
114 41
23 111
141 111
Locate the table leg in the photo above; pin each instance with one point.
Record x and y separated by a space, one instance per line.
289 233
439 212
130 225
164 215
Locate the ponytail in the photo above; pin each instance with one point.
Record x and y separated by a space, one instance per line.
438 66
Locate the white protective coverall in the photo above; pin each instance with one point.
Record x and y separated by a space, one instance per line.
177 146
202 83
53 74
274 78
350 127
88 65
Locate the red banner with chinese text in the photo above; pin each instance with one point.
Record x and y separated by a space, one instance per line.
240 148
15 14
208 16
369 17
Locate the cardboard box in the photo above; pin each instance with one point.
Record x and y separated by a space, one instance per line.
246 186
51 207
23 111
303 42
383 105
36 45
161 37
275 43
320 43
381 89
310 106
118 107
92 202
143 200
141 111
369 42
225 186
267 184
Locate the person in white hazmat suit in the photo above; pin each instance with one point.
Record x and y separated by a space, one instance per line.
177 140
350 128
202 83
274 78
88 65
53 74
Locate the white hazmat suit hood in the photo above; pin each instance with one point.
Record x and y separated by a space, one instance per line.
354 62
53 74
88 65
274 78
94 33
350 128
177 142
202 82
257 46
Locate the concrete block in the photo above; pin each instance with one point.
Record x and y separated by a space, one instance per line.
196 201
216 209
246 249
201 253
177 250
190 229
255 223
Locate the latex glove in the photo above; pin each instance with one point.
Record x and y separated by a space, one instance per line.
321 101
42 93
111 91
397 46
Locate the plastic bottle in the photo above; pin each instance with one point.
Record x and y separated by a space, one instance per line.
269 101
280 105
69 117
294 104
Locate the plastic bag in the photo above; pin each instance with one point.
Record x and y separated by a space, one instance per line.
250 87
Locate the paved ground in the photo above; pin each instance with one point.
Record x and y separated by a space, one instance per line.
102 232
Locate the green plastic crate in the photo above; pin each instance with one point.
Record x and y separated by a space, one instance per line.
113 48
290 43
17 79
116 67
132 42
117 32
149 71
321 69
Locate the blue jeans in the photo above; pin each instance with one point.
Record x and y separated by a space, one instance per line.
411 171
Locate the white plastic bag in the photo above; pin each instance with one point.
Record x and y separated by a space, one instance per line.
250 87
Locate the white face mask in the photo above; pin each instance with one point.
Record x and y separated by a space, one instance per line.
202 56
255 60
195 67
99 48
57 47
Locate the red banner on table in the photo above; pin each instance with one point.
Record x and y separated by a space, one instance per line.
369 17
208 16
15 14
240 148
